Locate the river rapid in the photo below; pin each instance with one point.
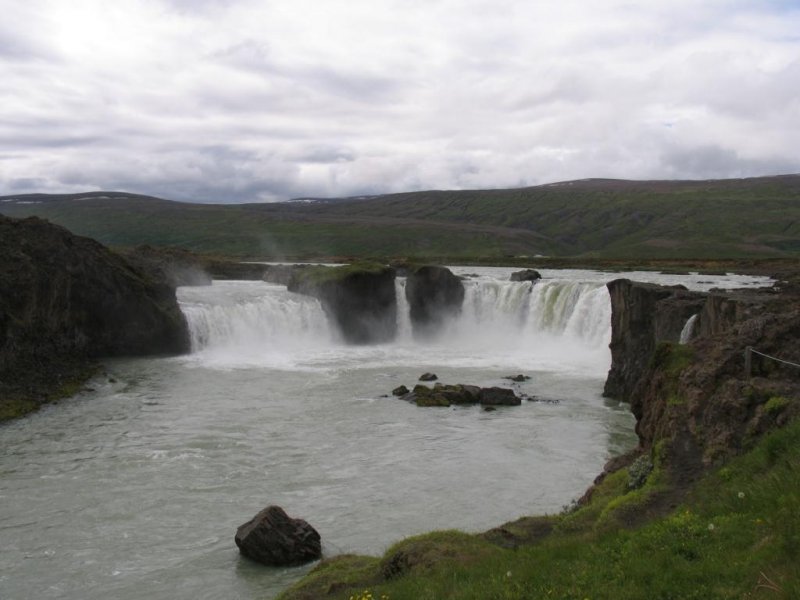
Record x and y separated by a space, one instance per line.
134 487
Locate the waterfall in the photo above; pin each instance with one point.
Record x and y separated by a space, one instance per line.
403 310
551 324
252 315
688 330
560 308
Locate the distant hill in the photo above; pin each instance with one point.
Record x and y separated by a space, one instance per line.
606 218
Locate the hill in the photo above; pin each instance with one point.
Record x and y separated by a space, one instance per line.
754 218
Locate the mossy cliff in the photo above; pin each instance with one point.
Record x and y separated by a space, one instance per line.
66 300
705 507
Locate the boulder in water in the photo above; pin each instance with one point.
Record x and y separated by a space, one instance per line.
447 395
496 396
526 275
274 538
400 391
425 396
517 378
459 393
428 377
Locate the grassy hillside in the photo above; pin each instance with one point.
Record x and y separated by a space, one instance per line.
757 217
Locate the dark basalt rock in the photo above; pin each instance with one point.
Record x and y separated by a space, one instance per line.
360 299
495 396
459 394
274 538
65 300
642 315
400 391
699 398
517 378
433 295
526 275
428 377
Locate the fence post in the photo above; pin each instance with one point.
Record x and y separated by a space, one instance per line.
748 361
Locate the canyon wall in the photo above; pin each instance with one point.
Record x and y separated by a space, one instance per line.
698 398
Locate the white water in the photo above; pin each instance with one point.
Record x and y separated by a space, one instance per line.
135 488
688 330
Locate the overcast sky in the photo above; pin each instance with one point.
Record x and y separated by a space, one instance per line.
248 100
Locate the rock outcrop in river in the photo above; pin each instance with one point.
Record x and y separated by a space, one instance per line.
65 300
433 294
359 298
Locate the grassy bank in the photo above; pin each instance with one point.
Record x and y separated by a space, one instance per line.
736 535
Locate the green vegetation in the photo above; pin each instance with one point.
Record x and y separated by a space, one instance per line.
776 404
60 381
736 535
591 219
320 274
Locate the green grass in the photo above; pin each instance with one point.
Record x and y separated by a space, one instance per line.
737 535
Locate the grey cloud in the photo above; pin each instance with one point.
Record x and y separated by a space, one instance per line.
716 162
22 44
25 184
325 155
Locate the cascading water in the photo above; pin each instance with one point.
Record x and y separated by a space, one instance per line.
688 330
550 324
243 321
403 310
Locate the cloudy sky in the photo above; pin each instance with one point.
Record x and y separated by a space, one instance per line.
254 100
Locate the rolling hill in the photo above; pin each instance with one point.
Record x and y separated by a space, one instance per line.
597 218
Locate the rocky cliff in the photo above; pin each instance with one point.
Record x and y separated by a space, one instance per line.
65 300
642 315
698 400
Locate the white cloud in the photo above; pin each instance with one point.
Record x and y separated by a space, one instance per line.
246 100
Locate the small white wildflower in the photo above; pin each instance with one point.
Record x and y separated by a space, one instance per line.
711 527
741 494
508 573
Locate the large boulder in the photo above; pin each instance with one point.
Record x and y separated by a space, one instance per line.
496 396
359 298
274 538
434 294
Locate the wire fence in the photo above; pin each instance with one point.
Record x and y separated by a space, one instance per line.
748 359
